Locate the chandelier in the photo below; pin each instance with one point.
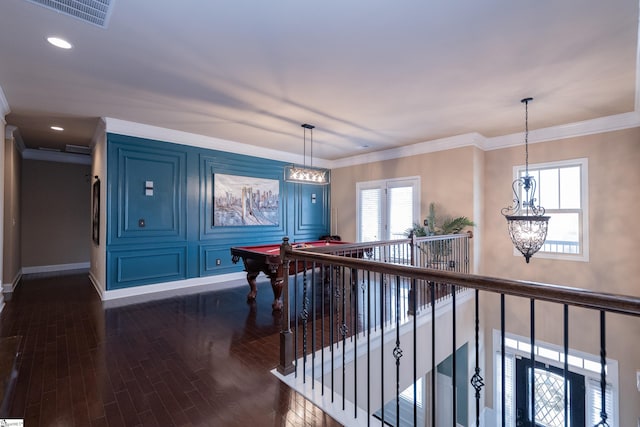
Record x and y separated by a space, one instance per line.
304 174
527 222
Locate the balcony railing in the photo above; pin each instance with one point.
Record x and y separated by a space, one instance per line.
365 323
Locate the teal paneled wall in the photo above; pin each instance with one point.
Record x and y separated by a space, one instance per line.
160 211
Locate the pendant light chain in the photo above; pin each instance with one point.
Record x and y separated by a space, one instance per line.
526 134
311 150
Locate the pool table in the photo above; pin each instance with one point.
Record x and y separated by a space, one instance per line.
266 259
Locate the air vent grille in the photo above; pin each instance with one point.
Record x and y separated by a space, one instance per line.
95 12
77 149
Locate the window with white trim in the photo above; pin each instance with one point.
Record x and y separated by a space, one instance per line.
387 208
562 190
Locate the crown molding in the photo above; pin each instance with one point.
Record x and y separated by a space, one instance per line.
56 156
13 133
195 140
459 141
474 139
570 130
4 106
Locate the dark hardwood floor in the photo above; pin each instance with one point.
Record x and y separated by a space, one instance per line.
195 360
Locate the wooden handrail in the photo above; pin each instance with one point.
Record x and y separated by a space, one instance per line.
622 304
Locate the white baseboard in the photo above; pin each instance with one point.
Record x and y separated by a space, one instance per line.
45 269
96 285
10 287
138 294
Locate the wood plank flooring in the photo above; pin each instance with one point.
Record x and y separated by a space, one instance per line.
195 360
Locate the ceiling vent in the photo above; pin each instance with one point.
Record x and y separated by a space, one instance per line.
77 149
94 12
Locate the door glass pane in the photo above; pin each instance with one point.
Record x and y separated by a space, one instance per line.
549 398
400 211
370 214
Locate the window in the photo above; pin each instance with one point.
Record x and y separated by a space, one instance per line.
562 190
386 209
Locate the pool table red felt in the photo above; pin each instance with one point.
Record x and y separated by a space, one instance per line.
266 259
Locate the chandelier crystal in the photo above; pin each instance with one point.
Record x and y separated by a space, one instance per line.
526 221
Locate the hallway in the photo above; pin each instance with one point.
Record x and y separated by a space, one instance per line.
194 360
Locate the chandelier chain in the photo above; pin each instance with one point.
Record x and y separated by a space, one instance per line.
526 134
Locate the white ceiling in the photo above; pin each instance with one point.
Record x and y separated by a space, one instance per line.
370 75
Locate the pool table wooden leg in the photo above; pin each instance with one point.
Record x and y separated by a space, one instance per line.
277 284
253 291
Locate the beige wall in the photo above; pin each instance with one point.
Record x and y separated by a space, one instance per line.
56 200
12 261
614 176
446 178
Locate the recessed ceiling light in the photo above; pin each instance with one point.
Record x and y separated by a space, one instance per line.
58 42
58 128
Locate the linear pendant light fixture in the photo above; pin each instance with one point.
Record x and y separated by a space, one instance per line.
526 222
304 174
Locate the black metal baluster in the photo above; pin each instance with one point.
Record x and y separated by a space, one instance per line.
477 381
313 324
338 298
295 317
397 351
453 356
331 328
382 309
603 373
415 357
323 278
354 282
304 315
502 362
565 322
533 362
433 353
343 332
368 347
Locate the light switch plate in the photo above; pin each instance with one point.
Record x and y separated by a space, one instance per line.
638 380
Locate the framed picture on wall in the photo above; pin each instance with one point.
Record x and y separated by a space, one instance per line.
245 200
95 212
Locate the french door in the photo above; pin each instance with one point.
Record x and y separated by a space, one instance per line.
387 209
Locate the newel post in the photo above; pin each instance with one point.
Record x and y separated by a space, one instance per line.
286 365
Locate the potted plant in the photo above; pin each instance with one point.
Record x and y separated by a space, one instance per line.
437 251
